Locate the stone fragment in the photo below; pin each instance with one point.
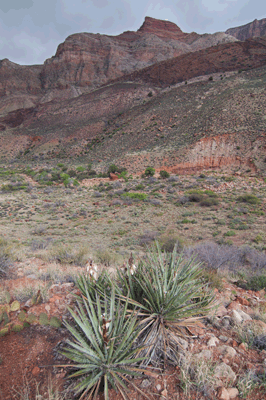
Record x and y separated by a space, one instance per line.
227 351
243 346
236 317
222 394
223 371
204 354
159 387
244 316
145 383
223 338
212 341
233 392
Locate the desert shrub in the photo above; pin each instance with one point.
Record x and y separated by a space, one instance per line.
248 198
173 178
6 257
155 202
171 297
169 242
183 200
138 196
229 233
106 257
140 186
81 169
39 229
149 171
97 194
40 244
72 173
164 174
114 168
216 256
195 195
255 283
209 201
147 237
68 255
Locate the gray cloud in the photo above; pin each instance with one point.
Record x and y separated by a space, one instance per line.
15 5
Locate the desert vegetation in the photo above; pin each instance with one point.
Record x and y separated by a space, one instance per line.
185 239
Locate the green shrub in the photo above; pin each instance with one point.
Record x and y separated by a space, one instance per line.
149 171
248 198
209 201
164 174
229 233
138 196
81 169
253 283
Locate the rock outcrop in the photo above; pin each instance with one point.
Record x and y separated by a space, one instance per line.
86 61
223 57
244 32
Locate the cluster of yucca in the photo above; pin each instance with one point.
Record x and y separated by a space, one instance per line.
134 320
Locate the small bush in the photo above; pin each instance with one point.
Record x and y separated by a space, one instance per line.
138 196
68 255
149 171
164 174
248 198
229 233
209 201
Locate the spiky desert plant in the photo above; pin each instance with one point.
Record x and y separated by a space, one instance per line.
172 298
87 283
102 349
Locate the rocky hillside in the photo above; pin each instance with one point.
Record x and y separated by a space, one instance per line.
200 109
253 29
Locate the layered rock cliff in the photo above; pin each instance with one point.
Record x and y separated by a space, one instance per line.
244 32
86 61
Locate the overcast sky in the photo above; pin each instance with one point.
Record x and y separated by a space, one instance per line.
31 30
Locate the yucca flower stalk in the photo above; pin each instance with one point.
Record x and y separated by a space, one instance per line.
102 349
171 299
102 284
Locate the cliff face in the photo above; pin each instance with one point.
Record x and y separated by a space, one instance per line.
224 57
86 61
244 32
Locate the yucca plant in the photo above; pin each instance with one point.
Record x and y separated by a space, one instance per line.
102 349
102 285
171 299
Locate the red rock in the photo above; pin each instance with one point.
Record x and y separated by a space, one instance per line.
234 305
36 370
243 346
113 177
242 301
